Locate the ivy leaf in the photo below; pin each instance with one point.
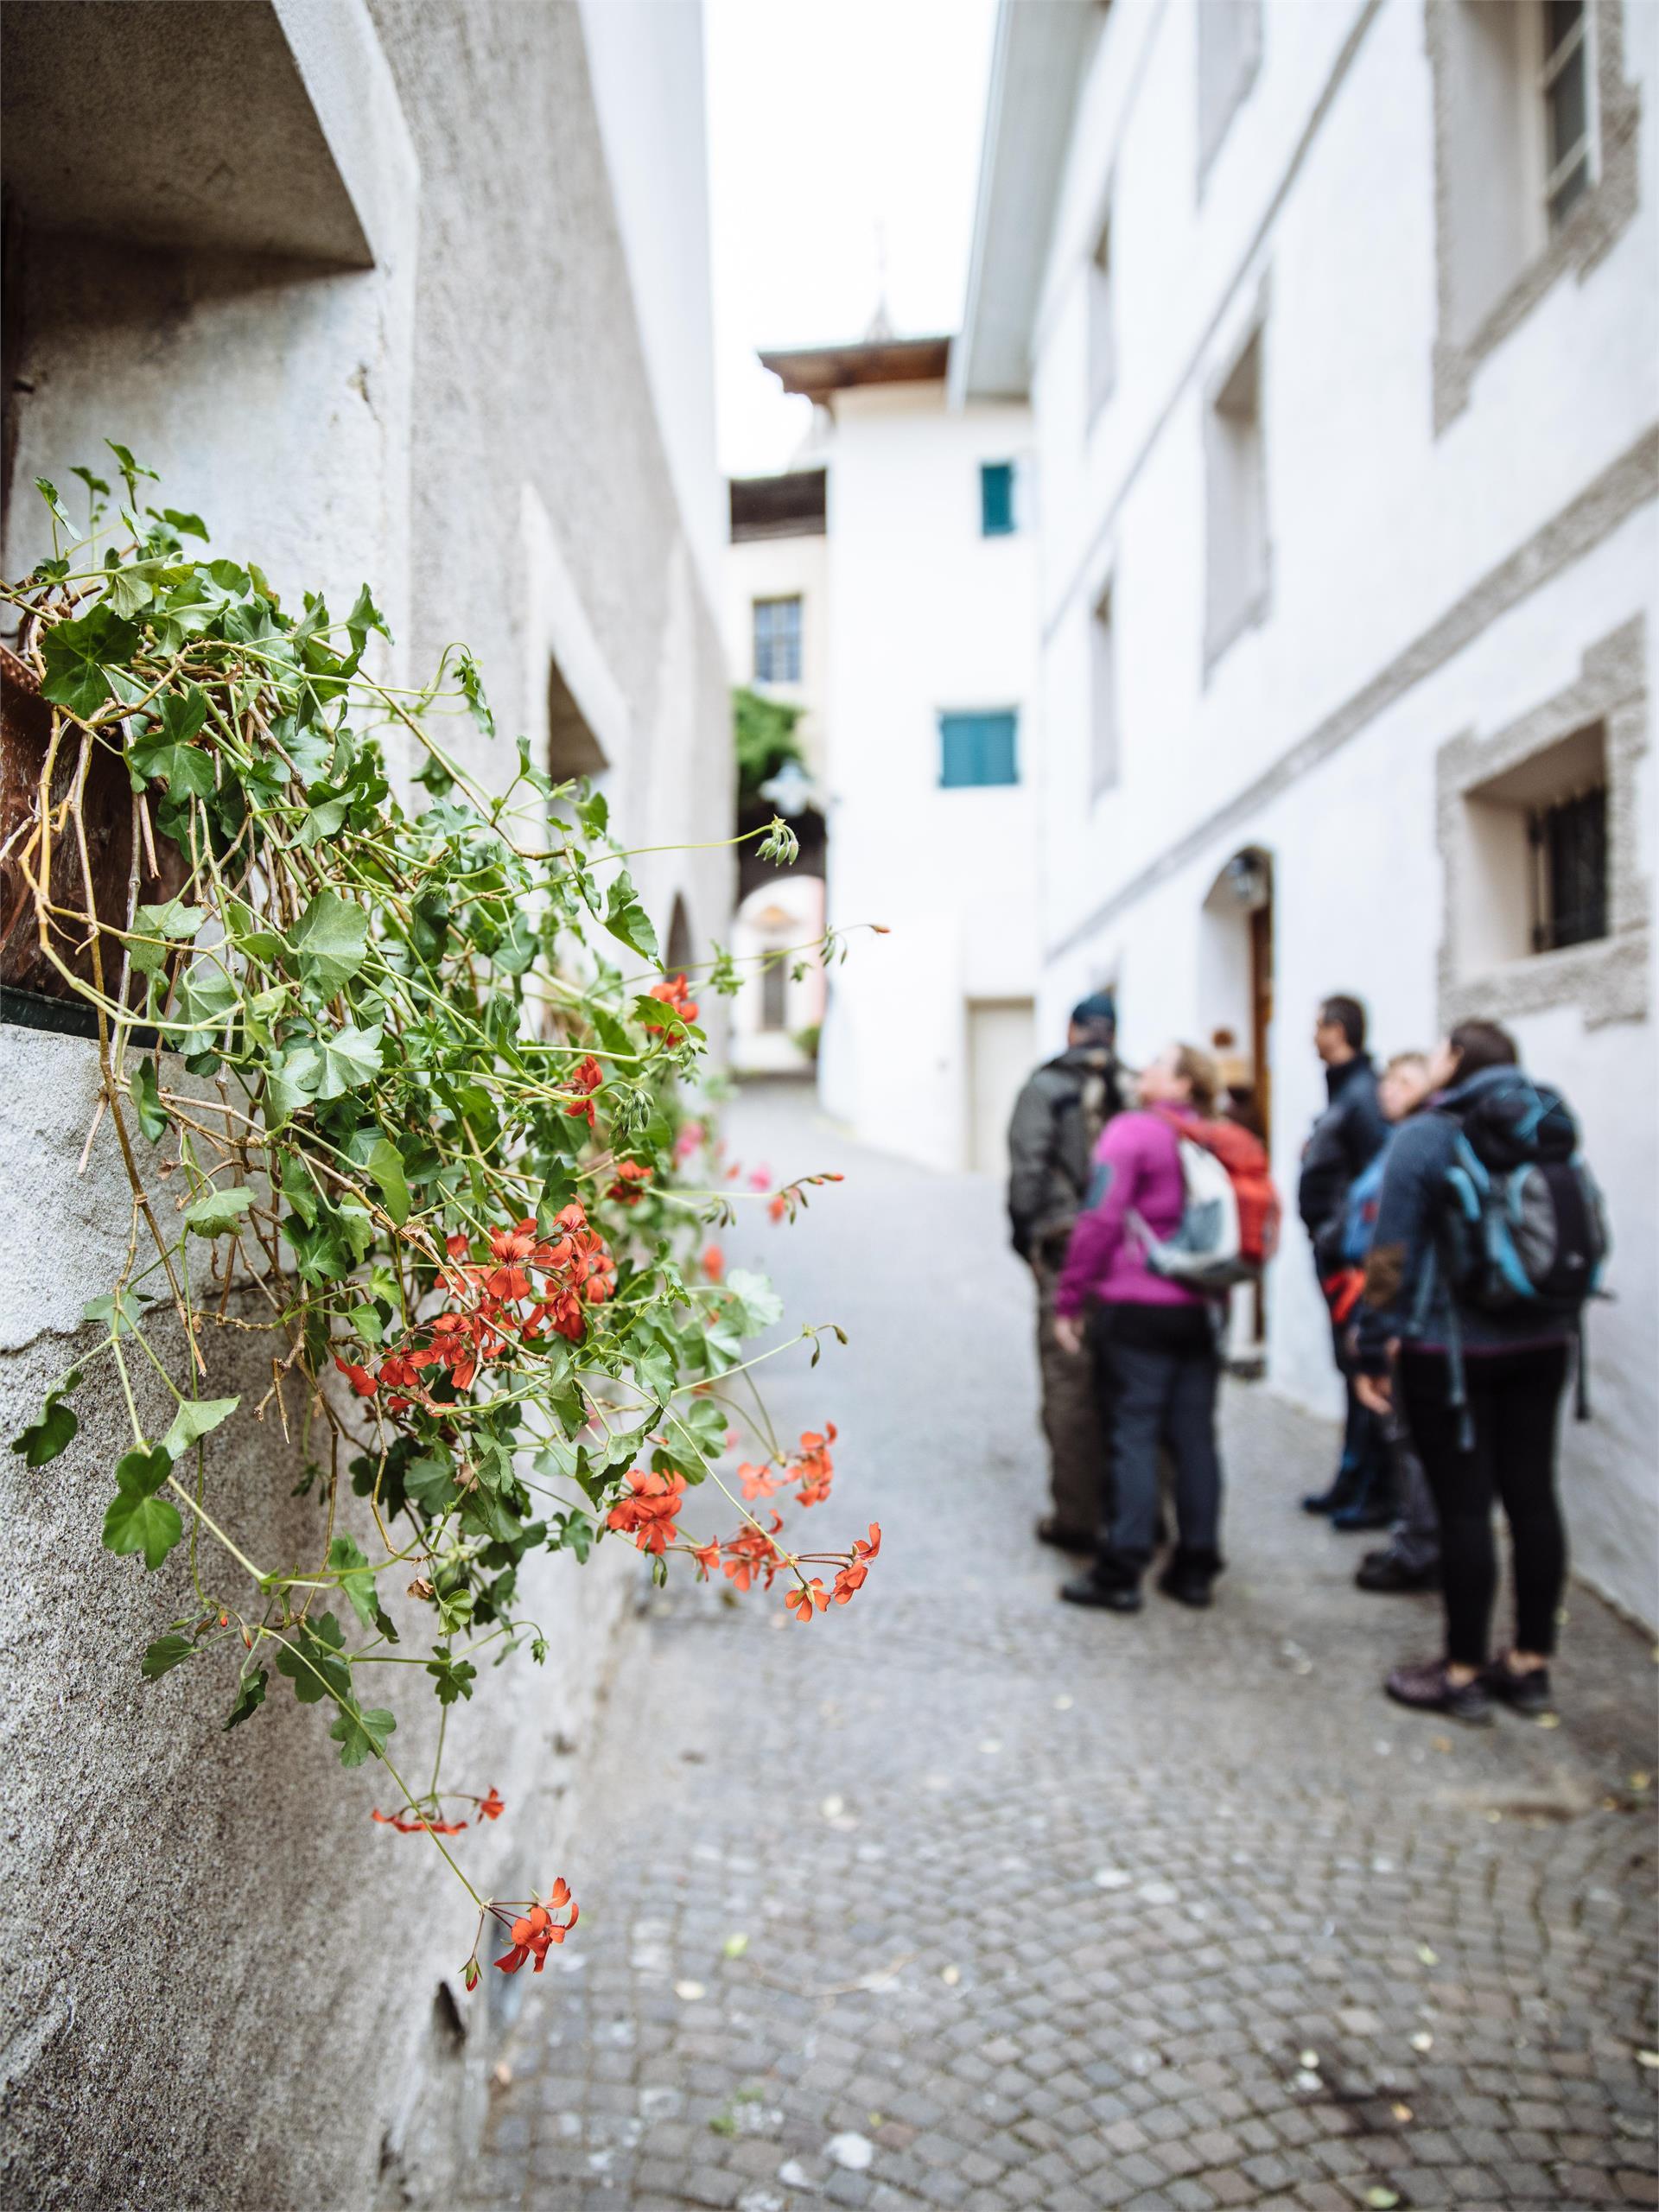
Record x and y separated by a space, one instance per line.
385 1164
130 469
752 1304
519 947
332 939
361 1735
137 1519
430 1481
530 773
53 1429
346 1060
166 1653
131 588
312 1661
625 918
364 617
472 690
118 1310
196 1418
593 813
356 1579
75 652
187 525
145 1093
454 1677
50 493
216 1212
156 927
250 1697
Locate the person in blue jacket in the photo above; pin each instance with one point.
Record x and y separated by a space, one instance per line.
1501 1441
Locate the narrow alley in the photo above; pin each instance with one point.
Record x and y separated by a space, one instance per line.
958 1896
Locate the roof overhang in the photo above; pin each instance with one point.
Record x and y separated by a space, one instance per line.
793 505
817 371
1037 66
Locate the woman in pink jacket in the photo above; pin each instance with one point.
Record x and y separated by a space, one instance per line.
1155 1343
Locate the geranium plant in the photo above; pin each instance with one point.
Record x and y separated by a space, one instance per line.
396 1087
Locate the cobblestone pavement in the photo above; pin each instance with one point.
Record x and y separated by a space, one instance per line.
961 1897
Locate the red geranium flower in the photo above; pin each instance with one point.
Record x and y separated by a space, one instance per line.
587 1078
713 1262
490 1807
671 991
361 1380
804 1597
649 1514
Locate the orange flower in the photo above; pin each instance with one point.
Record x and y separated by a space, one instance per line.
778 1207
490 1807
671 992
805 1595
849 1578
707 1559
587 1078
536 1931
861 1550
751 1553
630 1174
757 1483
814 1467
359 1377
713 1262
649 1514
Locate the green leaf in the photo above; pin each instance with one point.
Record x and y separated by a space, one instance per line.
156 927
454 1677
195 1418
346 1060
518 947
385 1164
75 653
530 773
312 1661
167 1652
145 1093
752 1304
50 493
430 1481
250 1697
215 1212
131 588
137 1519
118 1310
364 617
53 1429
356 1579
130 469
625 918
332 939
362 1735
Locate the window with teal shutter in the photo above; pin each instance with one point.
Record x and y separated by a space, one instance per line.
978 749
995 498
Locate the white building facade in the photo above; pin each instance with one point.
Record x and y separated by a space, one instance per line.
1339 325
925 756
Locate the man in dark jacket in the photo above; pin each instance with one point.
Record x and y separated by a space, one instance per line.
1344 1141
1057 1118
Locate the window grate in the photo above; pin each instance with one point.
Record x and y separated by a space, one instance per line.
1569 842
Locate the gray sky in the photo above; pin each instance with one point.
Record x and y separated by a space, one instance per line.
835 128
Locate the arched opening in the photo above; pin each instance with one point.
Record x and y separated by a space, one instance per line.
680 944
778 1012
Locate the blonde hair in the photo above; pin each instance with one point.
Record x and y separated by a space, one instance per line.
1199 1071
1412 1059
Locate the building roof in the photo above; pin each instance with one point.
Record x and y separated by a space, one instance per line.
789 506
817 370
1037 67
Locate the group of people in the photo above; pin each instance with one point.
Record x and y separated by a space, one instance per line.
1455 1233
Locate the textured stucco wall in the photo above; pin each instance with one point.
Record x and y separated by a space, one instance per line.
218 1980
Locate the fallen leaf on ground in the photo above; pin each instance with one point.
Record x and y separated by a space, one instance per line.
1382 2200
1429 1958
734 1945
688 1992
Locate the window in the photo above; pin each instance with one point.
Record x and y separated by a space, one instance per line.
1102 695
1569 881
1103 324
1236 545
1565 84
1536 875
1229 50
978 749
995 498
777 640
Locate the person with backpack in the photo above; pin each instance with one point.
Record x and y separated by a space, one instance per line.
1057 1119
1489 1238
1411 1558
1177 1202
1345 1140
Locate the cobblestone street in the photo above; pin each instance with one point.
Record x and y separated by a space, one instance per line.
961 1898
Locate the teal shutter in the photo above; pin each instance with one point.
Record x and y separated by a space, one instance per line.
978 749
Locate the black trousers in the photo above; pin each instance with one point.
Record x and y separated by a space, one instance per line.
1514 1402
1157 1368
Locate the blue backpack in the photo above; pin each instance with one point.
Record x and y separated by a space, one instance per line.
1359 1211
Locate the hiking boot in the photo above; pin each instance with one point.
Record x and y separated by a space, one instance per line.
1051 1531
1364 1513
1527 1693
1343 1489
1382 1571
1112 1583
1426 1689
1189 1577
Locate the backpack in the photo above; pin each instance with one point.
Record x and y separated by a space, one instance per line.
1229 1212
1359 1212
1522 1224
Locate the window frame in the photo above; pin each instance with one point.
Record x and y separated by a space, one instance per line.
1100 334
957 721
796 637
1005 472
1577 45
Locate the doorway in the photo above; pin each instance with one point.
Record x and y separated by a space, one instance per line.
1001 1035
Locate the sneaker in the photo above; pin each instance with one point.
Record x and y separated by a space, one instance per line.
1527 1693
1114 1597
1050 1530
1426 1689
1382 1571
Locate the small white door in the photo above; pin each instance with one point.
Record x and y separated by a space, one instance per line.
1001 1052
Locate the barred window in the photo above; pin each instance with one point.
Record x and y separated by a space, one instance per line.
1569 876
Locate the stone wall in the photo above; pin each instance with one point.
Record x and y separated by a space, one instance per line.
220 1984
